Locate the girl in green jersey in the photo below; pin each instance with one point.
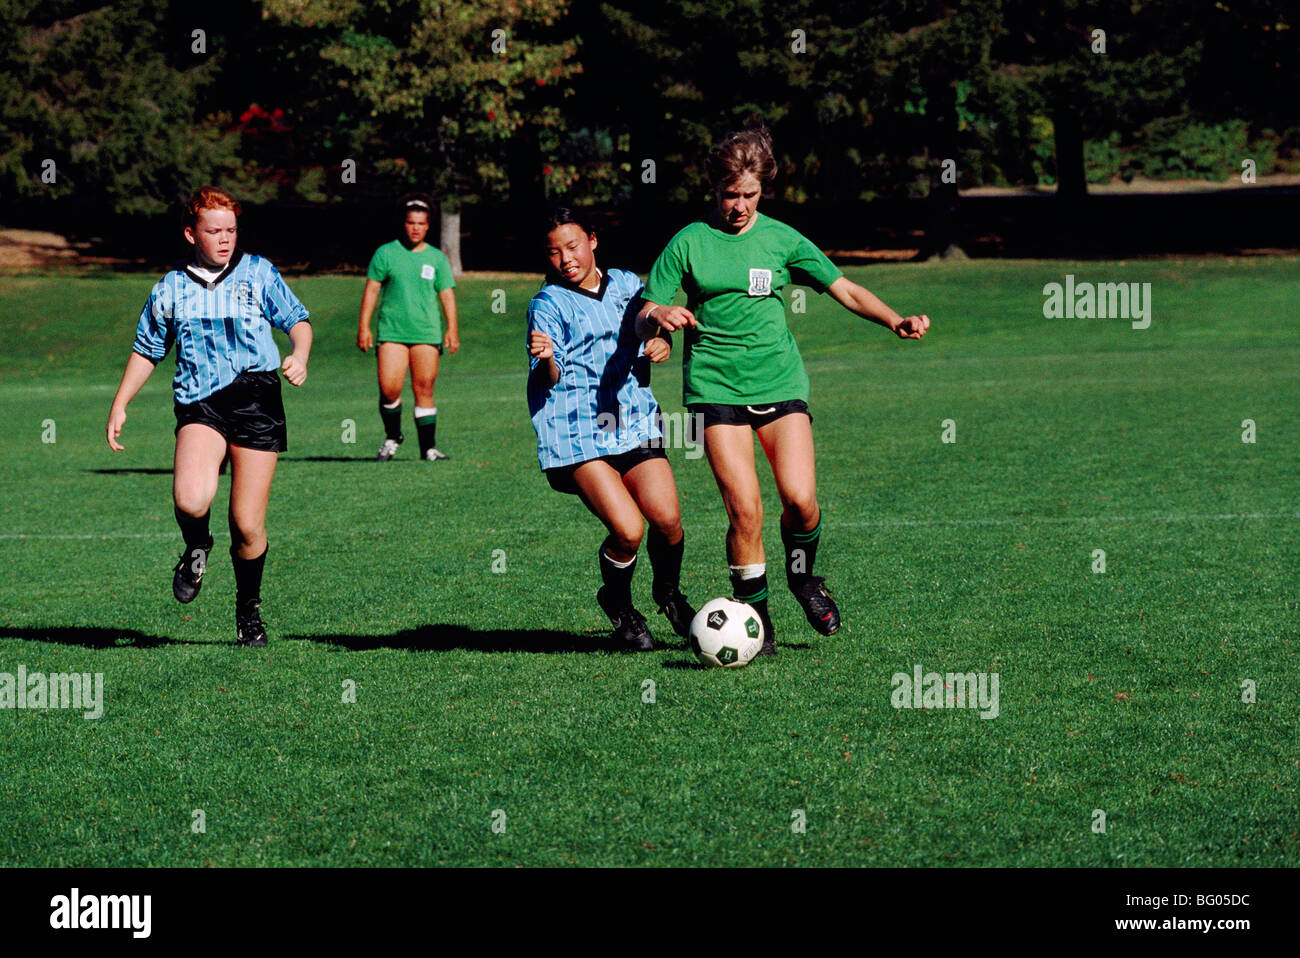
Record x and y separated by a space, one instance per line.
742 373
416 280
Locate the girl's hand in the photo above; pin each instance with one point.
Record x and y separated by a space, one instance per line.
912 327
540 345
364 339
451 341
295 370
658 349
672 318
116 418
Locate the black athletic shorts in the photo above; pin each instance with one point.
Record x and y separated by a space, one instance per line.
249 412
718 414
561 477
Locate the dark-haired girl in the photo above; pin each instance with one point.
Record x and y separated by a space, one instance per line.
598 426
742 372
415 279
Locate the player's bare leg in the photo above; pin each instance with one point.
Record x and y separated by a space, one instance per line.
730 450
602 491
393 361
788 443
652 485
200 451
251 472
424 373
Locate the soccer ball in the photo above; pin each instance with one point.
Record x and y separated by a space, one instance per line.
726 633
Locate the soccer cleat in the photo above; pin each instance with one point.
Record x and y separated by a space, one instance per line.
187 577
433 455
630 629
250 631
818 606
388 449
677 610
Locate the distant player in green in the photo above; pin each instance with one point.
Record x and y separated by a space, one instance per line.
742 372
415 279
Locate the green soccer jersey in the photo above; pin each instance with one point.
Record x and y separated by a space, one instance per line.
410 311
742 351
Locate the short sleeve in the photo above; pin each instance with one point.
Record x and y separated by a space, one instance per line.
808 263
281 307
544 317
378 268
442 277
154 333
666 274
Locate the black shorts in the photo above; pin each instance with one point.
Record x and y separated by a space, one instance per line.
561 477
249 412
380 342
719 414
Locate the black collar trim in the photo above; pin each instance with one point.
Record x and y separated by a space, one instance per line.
234 261
575 288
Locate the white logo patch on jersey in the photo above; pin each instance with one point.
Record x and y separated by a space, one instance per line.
426 271
760 282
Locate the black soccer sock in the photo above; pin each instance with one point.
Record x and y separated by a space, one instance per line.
618 582
800 553
248 577
665 562
753 592
392 419
194 529
426 425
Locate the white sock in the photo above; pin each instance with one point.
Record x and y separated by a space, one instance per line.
749 571
615 563
392 405
422 411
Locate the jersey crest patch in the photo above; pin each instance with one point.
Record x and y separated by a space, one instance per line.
760 282
426 271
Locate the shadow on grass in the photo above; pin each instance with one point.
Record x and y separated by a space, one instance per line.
444 637
328 459
90 637
138 470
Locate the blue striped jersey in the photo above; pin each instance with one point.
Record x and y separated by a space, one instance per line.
601 405
221 328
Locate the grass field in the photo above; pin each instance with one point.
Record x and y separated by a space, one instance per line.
487 696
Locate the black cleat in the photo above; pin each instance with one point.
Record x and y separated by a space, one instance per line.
187 577
630 629
818 606
677 610
250 631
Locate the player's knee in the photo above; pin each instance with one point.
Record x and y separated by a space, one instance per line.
627 537
668 525
802 507
194 498
247 529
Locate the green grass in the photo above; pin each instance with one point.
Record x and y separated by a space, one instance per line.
479 691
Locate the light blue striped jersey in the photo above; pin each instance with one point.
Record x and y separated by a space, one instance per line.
601 405
220 328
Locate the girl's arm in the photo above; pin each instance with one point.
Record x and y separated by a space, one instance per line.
654 317
295 364
369 296
450 335
863 302
138 370
541 347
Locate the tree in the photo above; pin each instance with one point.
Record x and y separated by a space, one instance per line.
107 96
450 84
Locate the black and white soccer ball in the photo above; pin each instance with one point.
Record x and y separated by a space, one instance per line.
726 633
